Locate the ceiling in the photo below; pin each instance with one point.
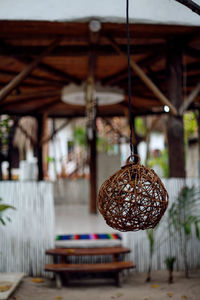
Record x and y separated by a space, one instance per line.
21 42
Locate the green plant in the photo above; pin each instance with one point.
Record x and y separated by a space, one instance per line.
185 218
80 137
50 159
190 125
162 161
4 207
4 130
169 261
140 127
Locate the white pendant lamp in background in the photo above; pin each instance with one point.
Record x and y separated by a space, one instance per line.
104 95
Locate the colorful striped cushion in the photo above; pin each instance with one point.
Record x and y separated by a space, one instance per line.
93 236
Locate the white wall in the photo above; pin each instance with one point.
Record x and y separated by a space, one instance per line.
142 11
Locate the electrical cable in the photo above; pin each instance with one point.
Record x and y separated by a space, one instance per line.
129 79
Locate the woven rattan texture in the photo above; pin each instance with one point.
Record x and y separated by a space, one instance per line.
133 198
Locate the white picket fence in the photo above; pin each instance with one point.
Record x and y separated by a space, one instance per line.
23 241
139 245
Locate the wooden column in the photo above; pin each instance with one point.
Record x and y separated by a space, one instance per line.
175 129
94 28
45 147
39 147
93 172
10 147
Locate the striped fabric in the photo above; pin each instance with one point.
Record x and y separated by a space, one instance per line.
93 236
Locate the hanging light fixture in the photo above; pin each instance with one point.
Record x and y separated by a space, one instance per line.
134 197
105 95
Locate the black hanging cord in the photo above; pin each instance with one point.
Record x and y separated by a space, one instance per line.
129 77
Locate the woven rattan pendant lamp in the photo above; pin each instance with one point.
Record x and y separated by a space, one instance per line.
134 197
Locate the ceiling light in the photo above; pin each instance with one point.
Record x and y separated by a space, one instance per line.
104 95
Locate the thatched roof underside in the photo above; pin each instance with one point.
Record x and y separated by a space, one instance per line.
40 92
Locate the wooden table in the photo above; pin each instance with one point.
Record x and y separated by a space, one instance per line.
116 266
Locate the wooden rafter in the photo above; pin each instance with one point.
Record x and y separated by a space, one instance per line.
148 82
122 74
74 51
26 71
42 79
115 78
23 98
60 73
192 52
189 99
44 107
63 75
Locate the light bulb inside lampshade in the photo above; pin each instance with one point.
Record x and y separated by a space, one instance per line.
105 95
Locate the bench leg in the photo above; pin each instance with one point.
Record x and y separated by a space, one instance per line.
58 281
117 277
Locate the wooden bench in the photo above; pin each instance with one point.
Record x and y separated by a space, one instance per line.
115 267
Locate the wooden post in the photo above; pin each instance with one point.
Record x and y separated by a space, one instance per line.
45 147
39 147
93 171
175 129
10 147
94 27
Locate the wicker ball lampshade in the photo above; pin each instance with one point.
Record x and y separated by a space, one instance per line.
133 198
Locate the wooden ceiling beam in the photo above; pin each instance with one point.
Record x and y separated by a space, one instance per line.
195 66
75 30
30 84
148 82
187 102
115 78
192 52
15 82
42 79
62 75
23 98
44 107
75 50
52 70
152 58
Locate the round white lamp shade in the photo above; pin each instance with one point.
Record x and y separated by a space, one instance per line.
104 95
